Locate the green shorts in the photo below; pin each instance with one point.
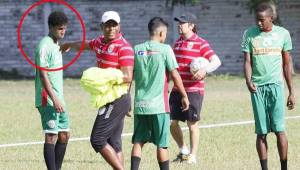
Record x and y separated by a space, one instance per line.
268 108
152 128
52 121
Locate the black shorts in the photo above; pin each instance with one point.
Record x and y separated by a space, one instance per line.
193 114
109 124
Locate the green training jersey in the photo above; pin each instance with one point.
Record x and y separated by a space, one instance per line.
152 62
266 49
48 55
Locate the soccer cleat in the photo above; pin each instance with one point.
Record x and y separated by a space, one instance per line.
191 159
181 157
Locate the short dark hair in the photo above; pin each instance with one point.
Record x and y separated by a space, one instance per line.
262 7
154 23
57 18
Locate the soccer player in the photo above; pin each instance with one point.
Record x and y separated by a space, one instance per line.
49 98
112 51
267 59
188 47
153 62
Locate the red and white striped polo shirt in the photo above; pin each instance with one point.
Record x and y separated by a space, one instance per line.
185 51
114 54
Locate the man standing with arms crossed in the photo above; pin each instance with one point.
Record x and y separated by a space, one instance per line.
112 51
266 49
49 92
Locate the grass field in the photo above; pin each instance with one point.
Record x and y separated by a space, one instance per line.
221 148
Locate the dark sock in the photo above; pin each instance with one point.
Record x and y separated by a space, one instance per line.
283 164
164 165
135 162
60 150
264 164
49 155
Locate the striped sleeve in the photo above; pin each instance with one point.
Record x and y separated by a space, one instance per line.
92 43
126 56
206 51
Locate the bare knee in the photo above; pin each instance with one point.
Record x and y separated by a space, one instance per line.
174 123
63 137
261 138
280 136
192 125
50 138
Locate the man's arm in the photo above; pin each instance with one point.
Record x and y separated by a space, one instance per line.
248 72
47 85
287 72
128 73
178 83
76 45
214 63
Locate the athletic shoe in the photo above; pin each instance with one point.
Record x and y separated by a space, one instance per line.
191 159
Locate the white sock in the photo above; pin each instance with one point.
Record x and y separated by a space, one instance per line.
184 150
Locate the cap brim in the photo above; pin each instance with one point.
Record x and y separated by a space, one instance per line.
179 20
111 20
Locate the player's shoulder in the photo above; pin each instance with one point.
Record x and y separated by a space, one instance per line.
251 31
45 43
280 29
140 46
123 42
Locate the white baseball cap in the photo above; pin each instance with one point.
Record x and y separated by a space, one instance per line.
110 15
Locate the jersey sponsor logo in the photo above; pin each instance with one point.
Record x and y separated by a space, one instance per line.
143 103
147 53
267 51
51 124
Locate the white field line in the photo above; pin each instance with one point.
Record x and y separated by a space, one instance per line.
130 134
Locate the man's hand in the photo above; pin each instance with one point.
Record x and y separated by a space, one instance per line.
251 86
58 106
185 103
64 47
290 102
199 75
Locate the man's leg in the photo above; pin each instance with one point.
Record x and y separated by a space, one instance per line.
194 139
136 155
282 145
60 148
177 133
262 150
111 157
115 140
163 158
49 150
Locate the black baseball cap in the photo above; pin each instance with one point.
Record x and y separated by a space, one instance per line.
186 17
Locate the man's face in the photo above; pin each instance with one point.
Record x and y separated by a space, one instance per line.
264 21
110 29
184 28
58 31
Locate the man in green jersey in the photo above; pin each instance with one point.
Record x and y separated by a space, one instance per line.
153 62
266 49
49 98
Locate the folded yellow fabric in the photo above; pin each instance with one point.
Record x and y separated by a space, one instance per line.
104 85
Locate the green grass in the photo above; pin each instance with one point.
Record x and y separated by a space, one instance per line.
226 100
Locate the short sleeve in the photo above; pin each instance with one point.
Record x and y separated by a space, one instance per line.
92 44
43 57
245 44
171 62
126 56
287 42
